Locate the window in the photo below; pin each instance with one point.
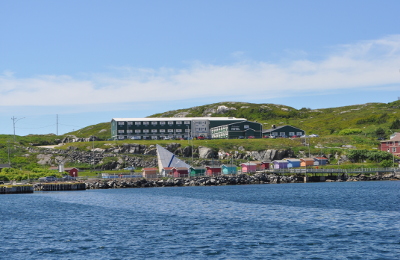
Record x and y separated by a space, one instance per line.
299 133
162 130
187 122
291 133
129 131
154 130
187 130
246 126
178 130
137 131
282 133
154 123
178 122
121 123
162 122
145 123
170 130
275 133
145 130
130 123
138 123
235 128
394 149
121 131
170 122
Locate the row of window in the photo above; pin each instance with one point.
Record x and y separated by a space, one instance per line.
284 133
138 131
155 123
154 137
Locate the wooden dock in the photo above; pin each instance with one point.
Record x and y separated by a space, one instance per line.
59 186
16 189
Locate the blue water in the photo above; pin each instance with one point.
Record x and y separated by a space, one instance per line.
354 220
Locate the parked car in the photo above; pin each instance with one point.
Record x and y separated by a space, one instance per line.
314 135
200 137
68 178
241 137
250 137
48 179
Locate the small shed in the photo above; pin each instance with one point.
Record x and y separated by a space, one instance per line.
280 164
166 171
197 171
265 165
248 167
73 172
320 161
213 170
259 165
229 169
306 162
293 163
149 172
180 172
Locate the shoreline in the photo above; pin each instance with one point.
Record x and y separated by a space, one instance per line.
241 179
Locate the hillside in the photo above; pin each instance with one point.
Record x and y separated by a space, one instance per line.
367 118
371 120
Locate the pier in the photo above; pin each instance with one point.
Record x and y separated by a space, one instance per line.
16 189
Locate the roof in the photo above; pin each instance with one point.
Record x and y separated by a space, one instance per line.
307 159
180 168
249 164
150 169
178 119
168 168
279 127
293 160
396 137
234 123
280 161
321 158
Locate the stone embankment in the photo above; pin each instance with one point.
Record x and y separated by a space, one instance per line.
193 181
241 179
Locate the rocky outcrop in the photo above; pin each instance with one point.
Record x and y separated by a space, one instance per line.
122 155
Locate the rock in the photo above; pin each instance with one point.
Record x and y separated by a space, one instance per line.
205 152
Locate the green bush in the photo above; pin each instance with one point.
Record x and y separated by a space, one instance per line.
350 131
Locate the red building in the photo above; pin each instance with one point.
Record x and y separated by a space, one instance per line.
180 172
73 172
213 170
392 145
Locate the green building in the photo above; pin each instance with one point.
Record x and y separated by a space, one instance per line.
243 129
284 131
166 128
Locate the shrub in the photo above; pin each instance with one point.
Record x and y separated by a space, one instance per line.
350 131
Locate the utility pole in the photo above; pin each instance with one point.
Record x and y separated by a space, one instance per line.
57 124
15 120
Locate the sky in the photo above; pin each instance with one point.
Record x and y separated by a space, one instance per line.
65 65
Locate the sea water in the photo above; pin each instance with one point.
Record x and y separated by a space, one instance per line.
344 220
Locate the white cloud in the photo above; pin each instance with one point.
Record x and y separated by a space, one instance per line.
367 64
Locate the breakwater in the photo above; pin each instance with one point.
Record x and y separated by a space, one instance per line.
240 179
59 186
16 189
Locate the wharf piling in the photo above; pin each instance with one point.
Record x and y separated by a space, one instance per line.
59 186
16 189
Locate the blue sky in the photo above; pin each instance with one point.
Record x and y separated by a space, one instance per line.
85 62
